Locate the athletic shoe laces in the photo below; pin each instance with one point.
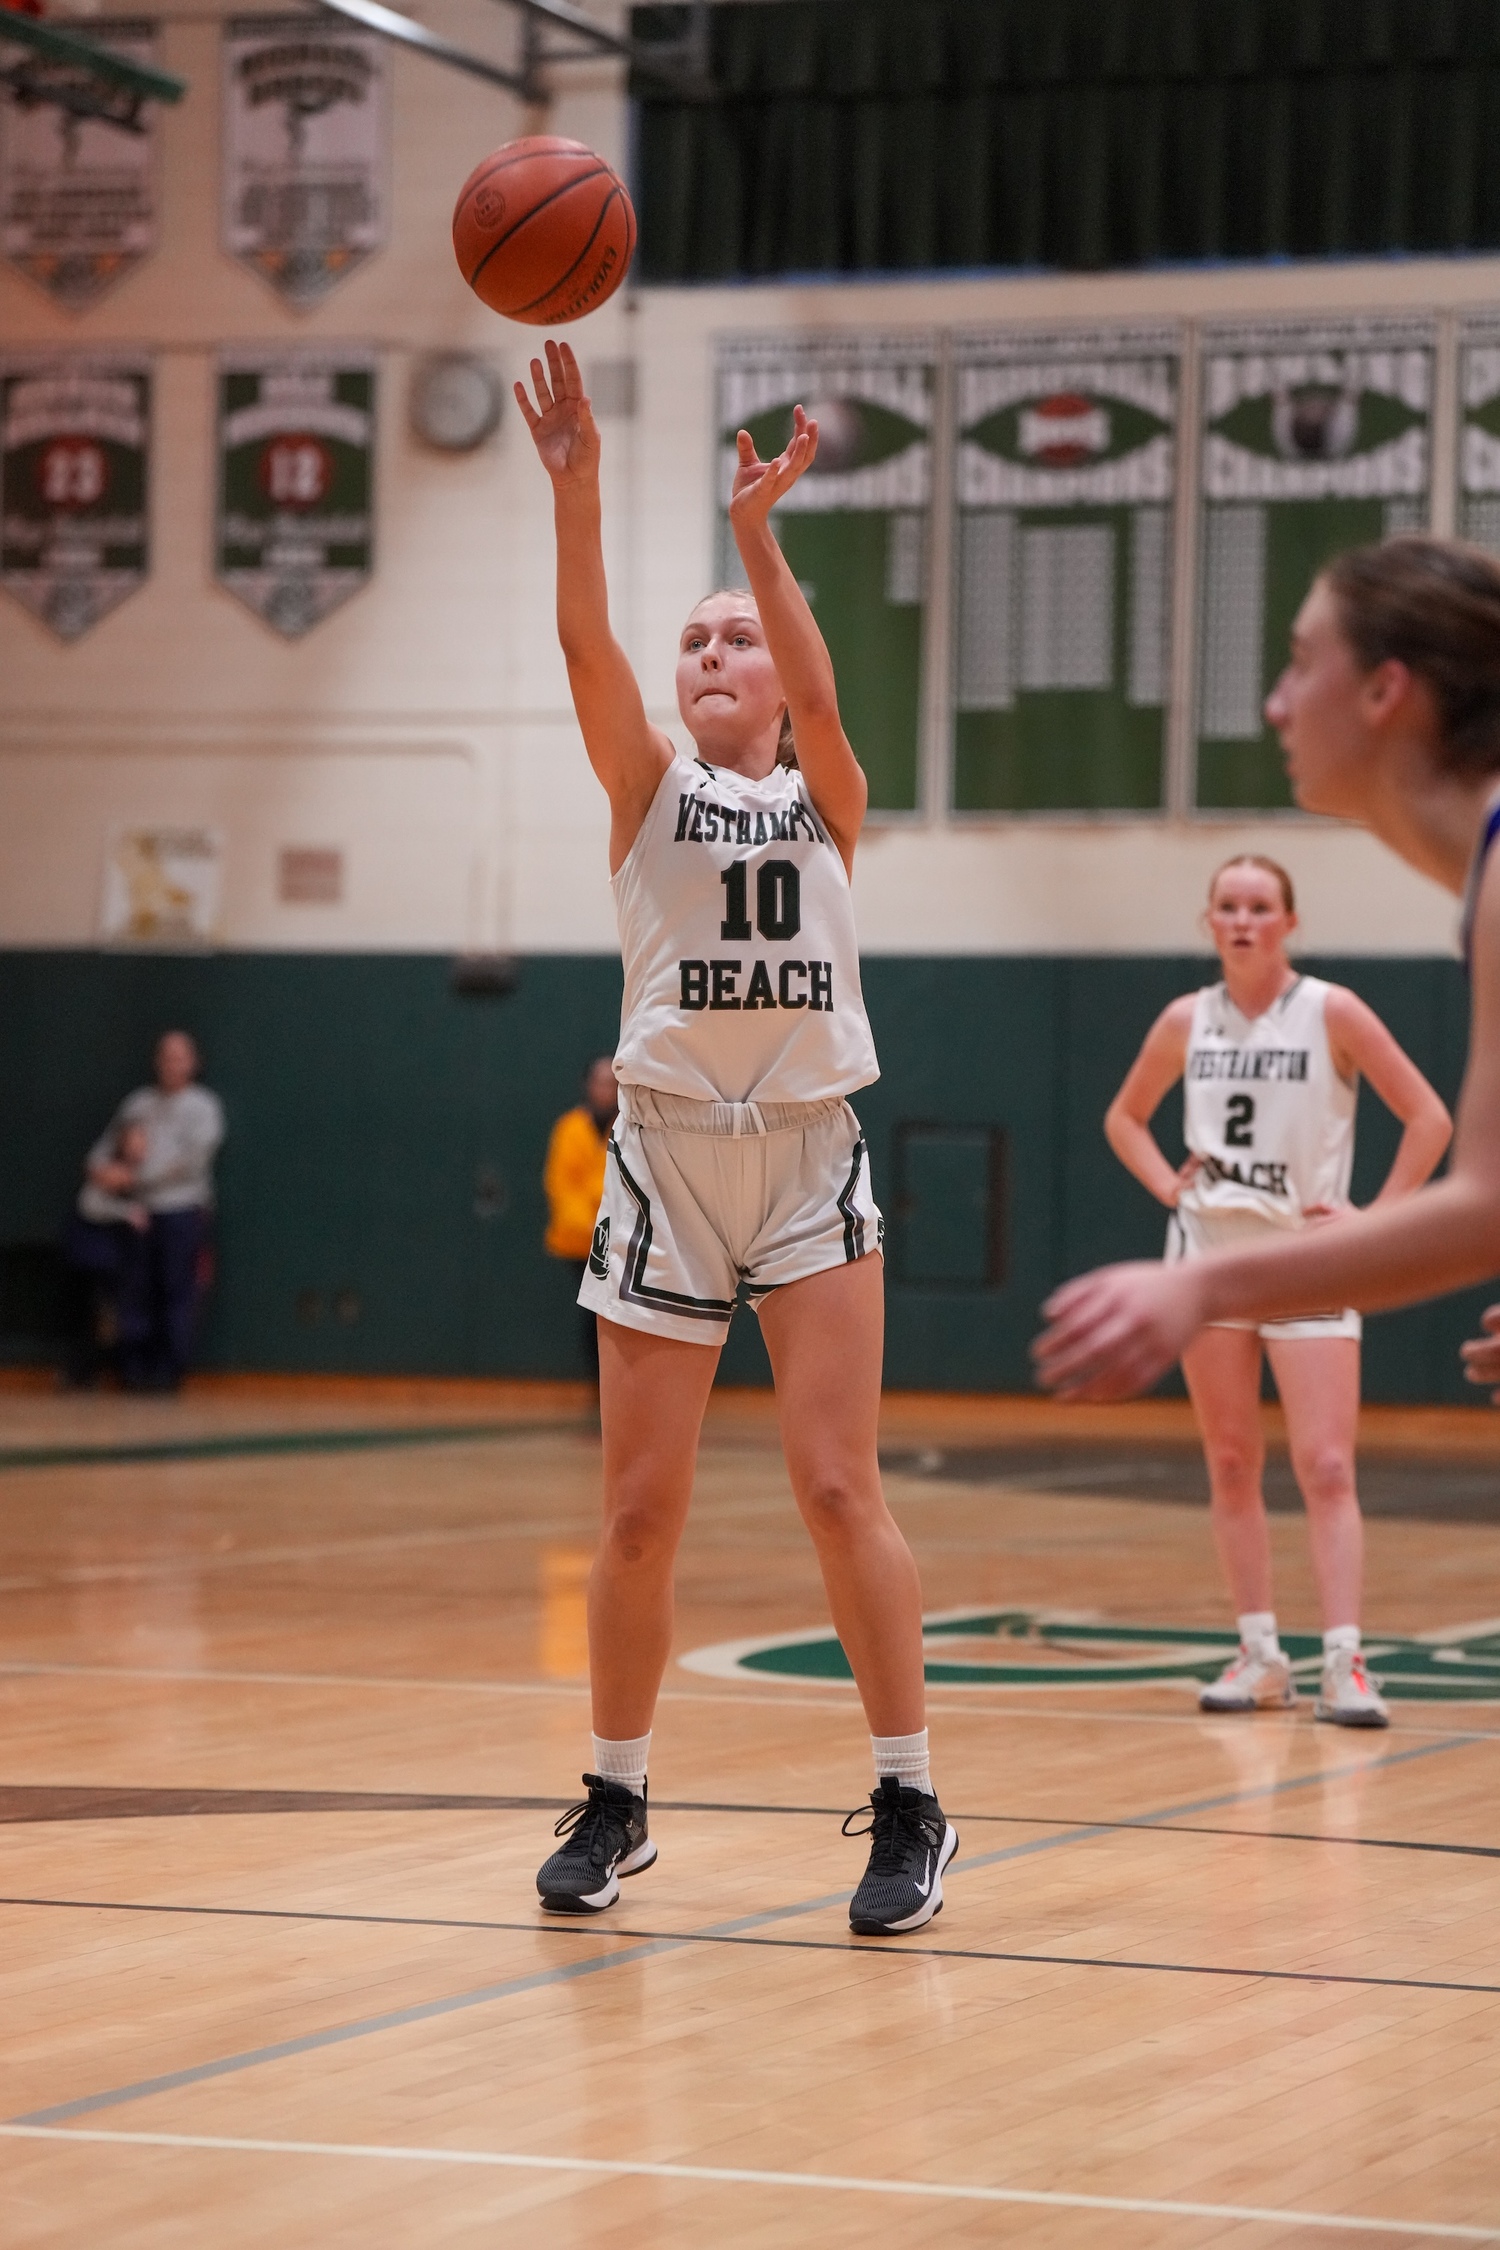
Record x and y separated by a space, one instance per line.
897 1824
596 1821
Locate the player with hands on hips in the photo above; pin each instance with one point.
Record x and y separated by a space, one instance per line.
1270 1062
736 1167
1389 715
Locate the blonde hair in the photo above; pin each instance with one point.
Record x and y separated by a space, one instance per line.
786 741
1272 867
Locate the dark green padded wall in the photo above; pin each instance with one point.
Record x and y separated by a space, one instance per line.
387 1138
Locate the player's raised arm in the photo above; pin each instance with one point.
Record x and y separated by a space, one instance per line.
1127 1121
835 779
627 753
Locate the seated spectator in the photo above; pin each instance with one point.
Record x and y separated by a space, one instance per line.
105 1242
574 1181
159 1296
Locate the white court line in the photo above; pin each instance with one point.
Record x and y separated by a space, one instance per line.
837 1696
723 2175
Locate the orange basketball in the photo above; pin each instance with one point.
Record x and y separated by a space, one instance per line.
543 230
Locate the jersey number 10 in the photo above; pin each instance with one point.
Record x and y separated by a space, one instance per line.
778 900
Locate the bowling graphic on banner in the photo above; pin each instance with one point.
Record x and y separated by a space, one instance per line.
74 457
296 437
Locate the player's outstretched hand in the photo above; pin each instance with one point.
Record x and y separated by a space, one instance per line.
1481 1355
758 485
561 423
1111 1333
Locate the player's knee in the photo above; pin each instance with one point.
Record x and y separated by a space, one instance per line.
835 1504
1234 1471
636 1535
1325 1474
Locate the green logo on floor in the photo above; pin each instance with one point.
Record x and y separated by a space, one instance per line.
1024 1648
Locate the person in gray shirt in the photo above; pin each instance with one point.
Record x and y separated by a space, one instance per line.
183 1124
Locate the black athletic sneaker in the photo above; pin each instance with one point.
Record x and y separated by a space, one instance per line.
910 1845
606 1838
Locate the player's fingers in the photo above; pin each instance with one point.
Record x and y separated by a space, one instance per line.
528 411
1489 1320
567 360
746 445
541 386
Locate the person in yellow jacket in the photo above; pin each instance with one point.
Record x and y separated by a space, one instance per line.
574 1180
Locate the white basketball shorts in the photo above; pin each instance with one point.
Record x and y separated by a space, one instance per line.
1192 1234
703 1200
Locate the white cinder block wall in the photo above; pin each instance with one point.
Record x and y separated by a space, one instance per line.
425 727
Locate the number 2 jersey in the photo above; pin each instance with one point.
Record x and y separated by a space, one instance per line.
1265 1108
737 931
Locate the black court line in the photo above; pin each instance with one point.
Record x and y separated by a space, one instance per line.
558 1927
252 1442
37 1805
509 1988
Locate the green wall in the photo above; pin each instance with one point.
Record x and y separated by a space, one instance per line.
386 1138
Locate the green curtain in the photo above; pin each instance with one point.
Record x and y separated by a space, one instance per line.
889 136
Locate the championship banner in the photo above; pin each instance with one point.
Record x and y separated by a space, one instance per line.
77 193
1314 439
1066 455
1479 435
296 436
306 150
854 528
74 448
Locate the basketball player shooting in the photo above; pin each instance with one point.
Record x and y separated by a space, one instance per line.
736 1163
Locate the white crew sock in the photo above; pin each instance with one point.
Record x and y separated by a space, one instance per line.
904 1755
623 1761
1340 1636
1258 1632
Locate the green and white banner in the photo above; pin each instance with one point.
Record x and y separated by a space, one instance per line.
296 475
75 433
306 149
1066 473
1314 439
854 529
77 193
1479 435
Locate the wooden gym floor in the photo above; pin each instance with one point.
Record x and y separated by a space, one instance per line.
292 1689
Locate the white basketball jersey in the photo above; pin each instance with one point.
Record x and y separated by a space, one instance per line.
1265 1108
737 930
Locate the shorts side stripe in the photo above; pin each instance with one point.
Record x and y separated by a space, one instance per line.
854 1225
634 1289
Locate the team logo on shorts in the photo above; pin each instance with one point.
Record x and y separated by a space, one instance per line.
1021 1648
599 1251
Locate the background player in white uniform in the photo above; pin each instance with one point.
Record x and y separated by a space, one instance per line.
1271 1062
1389 715
737 1161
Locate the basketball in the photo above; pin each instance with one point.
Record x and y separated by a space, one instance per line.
543 230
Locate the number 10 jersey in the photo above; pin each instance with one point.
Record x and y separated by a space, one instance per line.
737 931
1265 1109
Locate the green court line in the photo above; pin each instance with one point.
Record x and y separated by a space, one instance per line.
251 1442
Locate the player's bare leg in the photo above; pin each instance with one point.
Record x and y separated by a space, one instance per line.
825 1336
652 1393
1318 1382
1318 1378
1222 1370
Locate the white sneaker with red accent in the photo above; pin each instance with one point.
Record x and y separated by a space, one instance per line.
1347 1698
1254 1680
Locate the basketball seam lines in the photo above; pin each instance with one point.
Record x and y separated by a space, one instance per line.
566 188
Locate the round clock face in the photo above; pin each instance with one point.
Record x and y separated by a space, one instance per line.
455 401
